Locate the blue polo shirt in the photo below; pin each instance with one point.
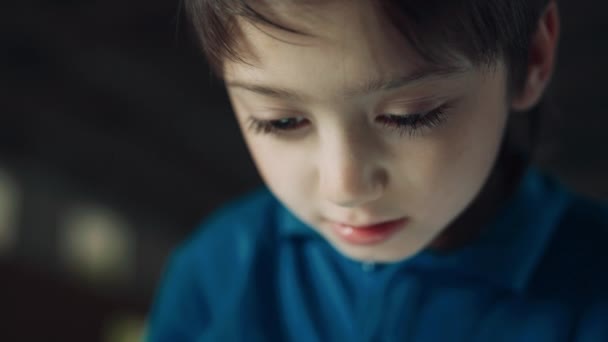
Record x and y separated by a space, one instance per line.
254 272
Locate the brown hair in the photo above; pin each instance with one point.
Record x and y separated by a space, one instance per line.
482 30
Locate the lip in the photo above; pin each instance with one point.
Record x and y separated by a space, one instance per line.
368 234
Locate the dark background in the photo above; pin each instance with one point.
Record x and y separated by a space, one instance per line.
110 113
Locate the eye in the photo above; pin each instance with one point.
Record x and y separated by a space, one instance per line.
413 124
410 124
279 126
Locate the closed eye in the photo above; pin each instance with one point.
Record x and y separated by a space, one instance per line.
279 126
410 124
413 124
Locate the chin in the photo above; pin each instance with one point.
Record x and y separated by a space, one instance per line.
378 253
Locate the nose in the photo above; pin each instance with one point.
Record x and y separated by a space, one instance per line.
350 174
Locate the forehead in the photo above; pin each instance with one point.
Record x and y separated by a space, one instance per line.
345 44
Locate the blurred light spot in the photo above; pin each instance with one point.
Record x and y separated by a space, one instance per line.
10 205
125 328
98 243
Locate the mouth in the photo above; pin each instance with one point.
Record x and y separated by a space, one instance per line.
368 234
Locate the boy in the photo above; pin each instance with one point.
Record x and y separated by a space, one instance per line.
395 208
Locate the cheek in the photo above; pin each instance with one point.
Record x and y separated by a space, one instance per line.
286 171
449 170
266 160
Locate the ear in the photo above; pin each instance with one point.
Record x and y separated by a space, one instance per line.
541 60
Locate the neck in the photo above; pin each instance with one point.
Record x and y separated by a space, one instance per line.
503 180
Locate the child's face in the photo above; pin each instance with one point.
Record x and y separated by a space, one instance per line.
335 159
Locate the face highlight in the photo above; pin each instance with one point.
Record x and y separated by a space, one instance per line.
351 126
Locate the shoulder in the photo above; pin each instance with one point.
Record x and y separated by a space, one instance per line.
242 218
230 237
572 272
576 257
208 276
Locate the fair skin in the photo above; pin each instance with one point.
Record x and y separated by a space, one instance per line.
336 160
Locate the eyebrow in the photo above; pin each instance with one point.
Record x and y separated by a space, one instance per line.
366 87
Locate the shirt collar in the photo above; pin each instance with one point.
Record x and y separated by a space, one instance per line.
290 226
508 250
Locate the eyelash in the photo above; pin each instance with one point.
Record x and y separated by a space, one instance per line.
413 124
410 124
